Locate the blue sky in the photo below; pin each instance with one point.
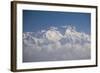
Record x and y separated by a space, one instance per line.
34 21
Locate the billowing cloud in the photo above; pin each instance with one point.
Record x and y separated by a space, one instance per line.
52 45
53 35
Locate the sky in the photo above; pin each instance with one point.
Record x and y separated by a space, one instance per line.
34 21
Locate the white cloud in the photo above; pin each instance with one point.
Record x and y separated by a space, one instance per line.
64 26
53 35
53 28
73 45
42 31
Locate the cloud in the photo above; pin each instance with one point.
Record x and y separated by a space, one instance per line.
52 45
42 31
53 28
64 26
53 35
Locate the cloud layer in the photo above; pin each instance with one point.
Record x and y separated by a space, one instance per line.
56 44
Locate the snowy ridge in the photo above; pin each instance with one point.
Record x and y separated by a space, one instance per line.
51 45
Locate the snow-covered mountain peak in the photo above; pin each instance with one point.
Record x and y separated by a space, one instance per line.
69 45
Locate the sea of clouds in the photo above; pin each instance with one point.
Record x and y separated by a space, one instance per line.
56 44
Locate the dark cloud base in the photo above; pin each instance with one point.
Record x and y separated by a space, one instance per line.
57 55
